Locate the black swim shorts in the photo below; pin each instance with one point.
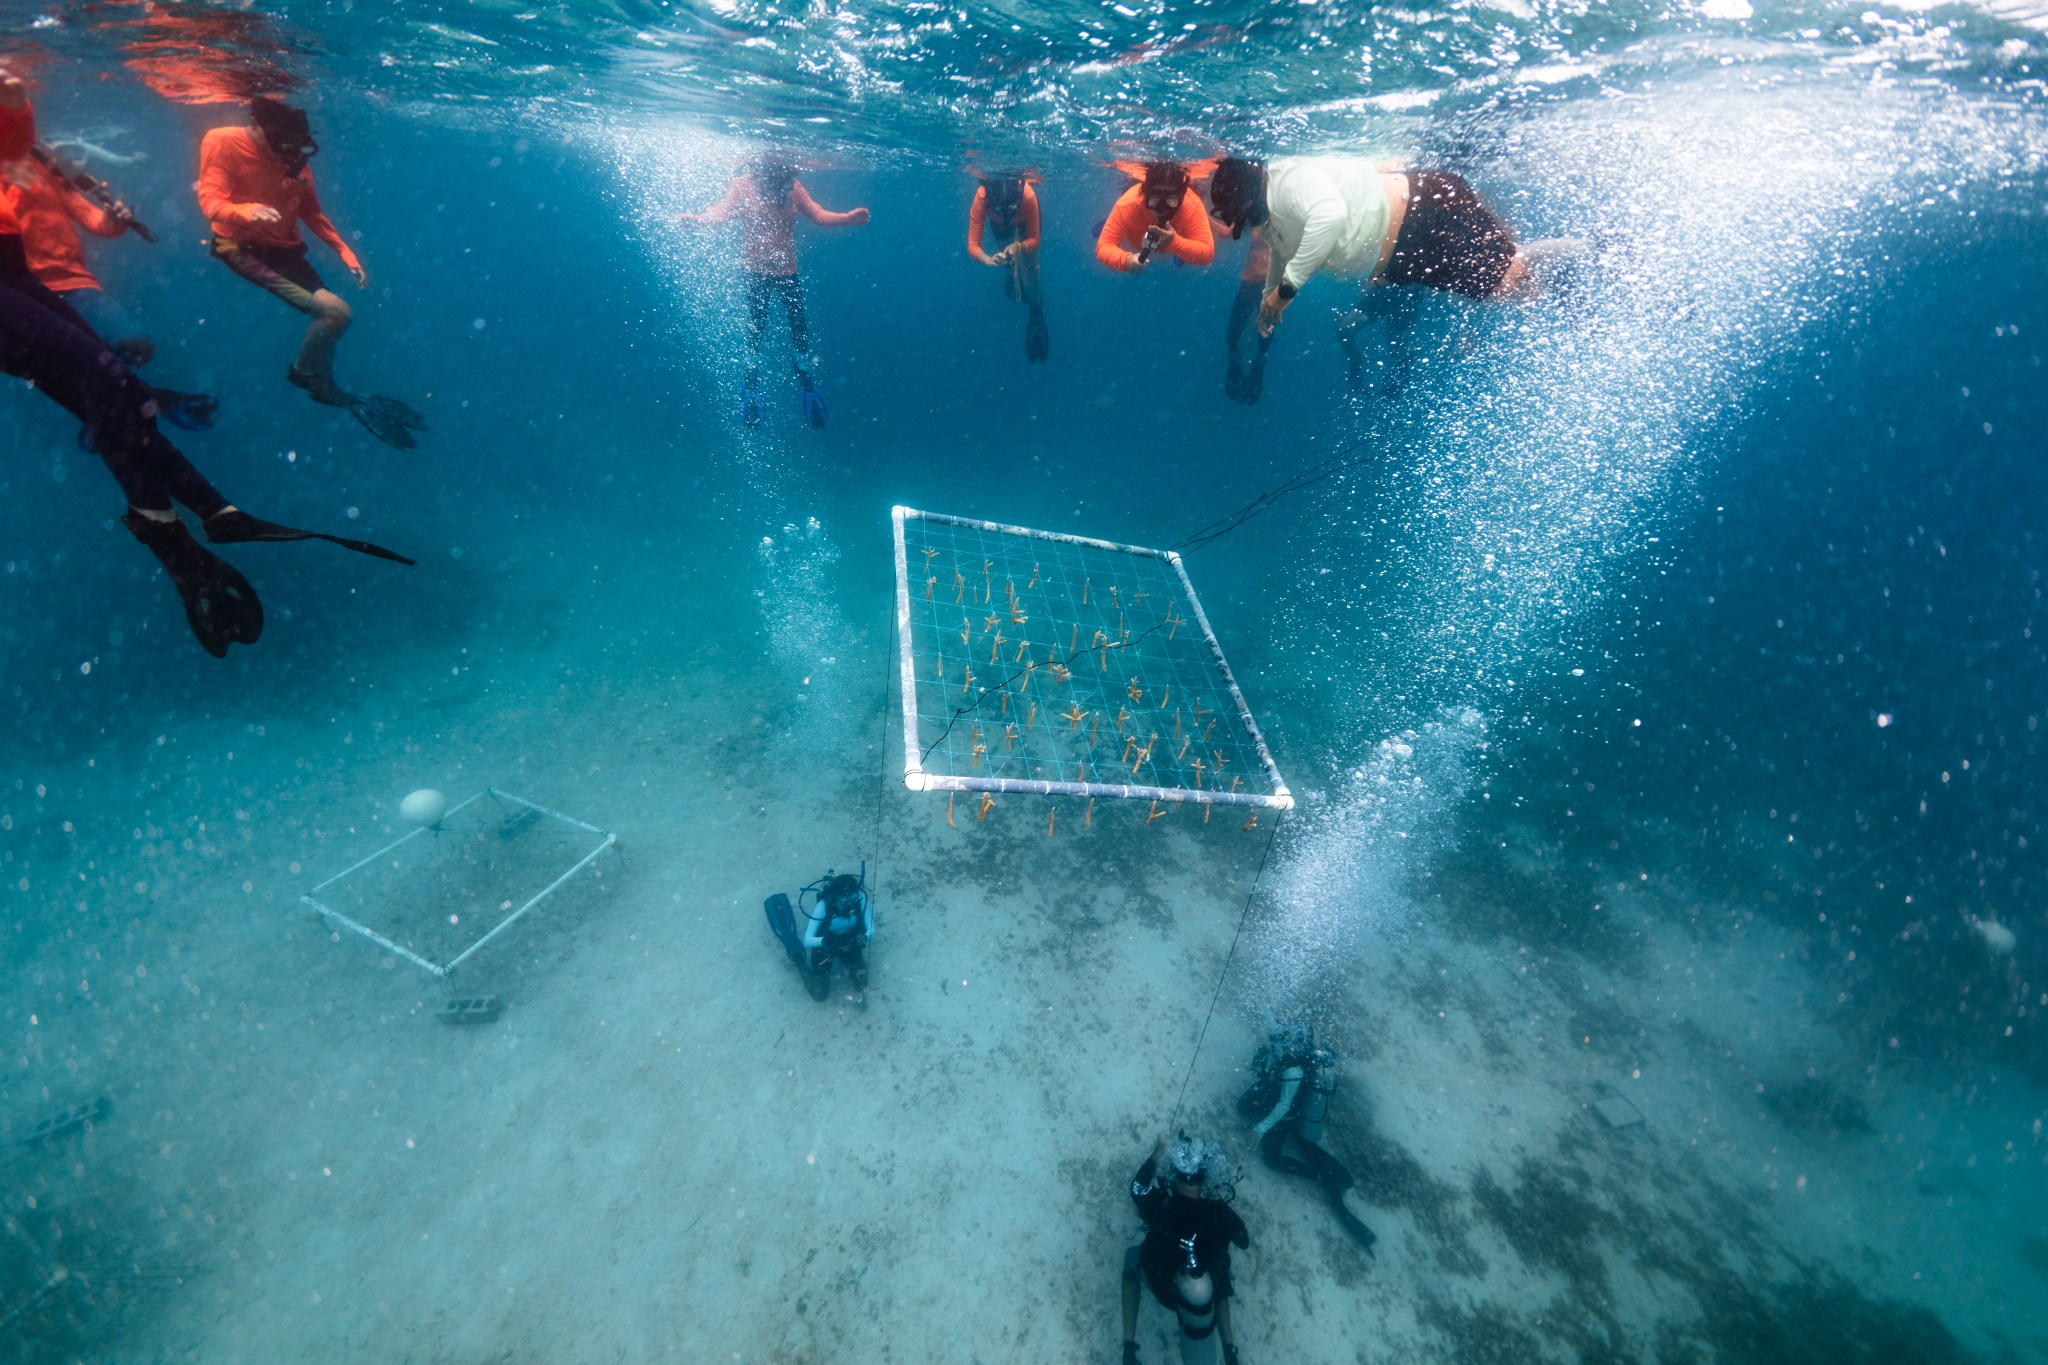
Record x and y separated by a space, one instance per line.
1449 239
283 270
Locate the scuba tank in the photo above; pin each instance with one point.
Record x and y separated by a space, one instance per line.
1195 1306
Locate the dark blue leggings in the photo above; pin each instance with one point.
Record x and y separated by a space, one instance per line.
45 342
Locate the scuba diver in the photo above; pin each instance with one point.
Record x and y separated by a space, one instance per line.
766 200
839 923
1295 1080
1008 206
1383 225
1156 215
1184 1256
255 188
51 203
46 342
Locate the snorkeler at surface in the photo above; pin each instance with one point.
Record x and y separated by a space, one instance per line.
255 188
839 923
1352 217
45 341
1007 206
51 209
1184 1256
1295 1081
766 200
1156 214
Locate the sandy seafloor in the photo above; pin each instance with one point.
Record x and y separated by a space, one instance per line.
664 1150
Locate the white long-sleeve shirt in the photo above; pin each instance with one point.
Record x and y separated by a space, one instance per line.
1328 214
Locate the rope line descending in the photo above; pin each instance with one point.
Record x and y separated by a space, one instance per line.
1224 974
882 754
1348 457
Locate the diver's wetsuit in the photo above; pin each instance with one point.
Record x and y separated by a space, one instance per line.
45 341
1176 1227
1297 1086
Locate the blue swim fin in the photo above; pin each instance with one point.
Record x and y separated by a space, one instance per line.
753 407
782 919
187 411
814 403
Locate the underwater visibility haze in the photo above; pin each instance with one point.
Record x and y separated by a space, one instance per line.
1657 925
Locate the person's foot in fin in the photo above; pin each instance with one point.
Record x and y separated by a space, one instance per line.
814 402
405 414
321 388
383 422
1254 381
1395 385
220 606
1233 378
186 411
233 526
1351 1212
753 406
1037 341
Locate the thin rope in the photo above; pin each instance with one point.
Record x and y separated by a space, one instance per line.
882 758
1222 975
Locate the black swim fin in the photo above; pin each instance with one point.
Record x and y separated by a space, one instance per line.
1037 341
782 919
220 606
402 413
383 423
235 527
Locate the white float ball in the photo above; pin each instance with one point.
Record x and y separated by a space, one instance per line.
424 807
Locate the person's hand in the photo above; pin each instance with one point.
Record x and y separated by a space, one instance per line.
1159 238
689 218
362 276
262 213
1004 256
1135 264
859 217
1270 309
13 94
1159 1149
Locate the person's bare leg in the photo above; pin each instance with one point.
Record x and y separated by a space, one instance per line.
331 317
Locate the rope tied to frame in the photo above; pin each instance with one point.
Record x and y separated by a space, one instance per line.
1222 975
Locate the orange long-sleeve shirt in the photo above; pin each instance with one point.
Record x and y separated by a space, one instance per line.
1123 232
235 175
768 230
50 213
1027 221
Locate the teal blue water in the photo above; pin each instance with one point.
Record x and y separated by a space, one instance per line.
1704 612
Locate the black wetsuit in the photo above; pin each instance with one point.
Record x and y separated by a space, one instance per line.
1170 1221
43 340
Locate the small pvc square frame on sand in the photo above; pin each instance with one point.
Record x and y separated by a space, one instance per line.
1072 586
444 969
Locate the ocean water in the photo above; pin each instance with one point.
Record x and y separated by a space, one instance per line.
1659 678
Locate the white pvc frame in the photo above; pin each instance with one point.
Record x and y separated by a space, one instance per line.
917 779
443 970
